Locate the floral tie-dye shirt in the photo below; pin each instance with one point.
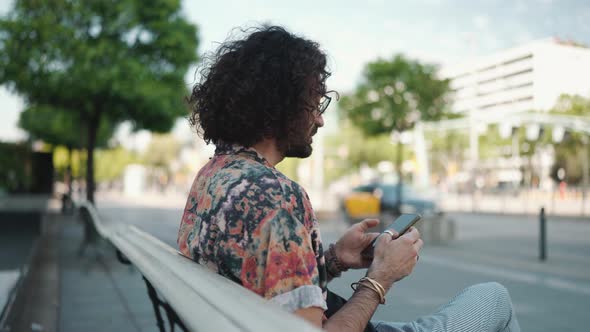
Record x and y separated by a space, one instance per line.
248 222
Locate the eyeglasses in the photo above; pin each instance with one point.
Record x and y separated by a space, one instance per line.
324 102
326 99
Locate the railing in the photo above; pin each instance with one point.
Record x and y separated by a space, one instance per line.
199 298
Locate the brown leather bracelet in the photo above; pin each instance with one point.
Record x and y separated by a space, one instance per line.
333 265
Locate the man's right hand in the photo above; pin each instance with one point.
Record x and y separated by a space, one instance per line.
395 257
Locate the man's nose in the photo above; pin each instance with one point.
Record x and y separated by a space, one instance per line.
319 120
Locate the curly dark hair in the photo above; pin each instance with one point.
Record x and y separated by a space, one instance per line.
257 87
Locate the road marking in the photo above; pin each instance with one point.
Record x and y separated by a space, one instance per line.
530 278
498 258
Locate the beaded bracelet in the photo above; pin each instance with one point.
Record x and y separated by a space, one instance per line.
334 266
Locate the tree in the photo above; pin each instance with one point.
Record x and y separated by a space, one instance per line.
348 149
162 150
15 168
393 96
100 59
58 127
447 151
162 156
572 153
111 163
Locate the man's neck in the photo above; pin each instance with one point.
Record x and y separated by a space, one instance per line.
269 149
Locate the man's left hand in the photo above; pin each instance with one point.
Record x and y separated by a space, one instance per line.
353 242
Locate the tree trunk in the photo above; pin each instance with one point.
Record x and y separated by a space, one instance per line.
92 126
398 166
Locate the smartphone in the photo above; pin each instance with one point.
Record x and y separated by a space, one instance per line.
401 225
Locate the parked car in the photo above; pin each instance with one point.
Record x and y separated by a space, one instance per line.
379 200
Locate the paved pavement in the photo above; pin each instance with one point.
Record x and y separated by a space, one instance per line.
548 296
66 289
572 204
97 292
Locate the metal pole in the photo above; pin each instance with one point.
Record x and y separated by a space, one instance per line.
543 236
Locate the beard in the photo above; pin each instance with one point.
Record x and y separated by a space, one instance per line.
299 150
300 146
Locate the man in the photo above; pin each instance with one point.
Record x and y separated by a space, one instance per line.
261 99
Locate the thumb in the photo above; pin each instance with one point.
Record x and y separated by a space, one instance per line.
368 223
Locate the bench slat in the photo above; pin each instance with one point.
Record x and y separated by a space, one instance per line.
204 301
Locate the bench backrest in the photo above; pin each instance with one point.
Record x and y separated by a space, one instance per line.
203 300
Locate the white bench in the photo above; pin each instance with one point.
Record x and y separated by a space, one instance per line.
202 300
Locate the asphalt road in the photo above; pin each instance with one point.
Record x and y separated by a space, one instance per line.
548 296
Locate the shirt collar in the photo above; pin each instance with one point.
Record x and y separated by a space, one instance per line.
235 149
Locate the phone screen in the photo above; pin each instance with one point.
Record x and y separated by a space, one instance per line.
404 222
401 225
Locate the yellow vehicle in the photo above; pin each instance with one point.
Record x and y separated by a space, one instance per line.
359 205
378 200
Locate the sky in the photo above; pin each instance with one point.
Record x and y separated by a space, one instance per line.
354 33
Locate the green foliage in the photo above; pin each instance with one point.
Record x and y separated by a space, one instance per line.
492 145
61 161
571 164
349 148
58 127
124 58
15 167
446 150
572 105
394 95
570 151
161 151
111 163
114 59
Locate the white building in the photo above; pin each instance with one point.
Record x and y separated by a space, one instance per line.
524 78
498 88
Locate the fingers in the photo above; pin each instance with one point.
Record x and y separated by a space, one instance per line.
368 223
394 234
419 244
385 238
372 236
412 234
411 239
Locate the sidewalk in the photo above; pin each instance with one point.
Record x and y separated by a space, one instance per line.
97 292
497 247
522 204
67 290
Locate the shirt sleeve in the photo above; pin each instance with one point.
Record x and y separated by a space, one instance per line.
281 264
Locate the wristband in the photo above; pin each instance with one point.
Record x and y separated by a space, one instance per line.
333 265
